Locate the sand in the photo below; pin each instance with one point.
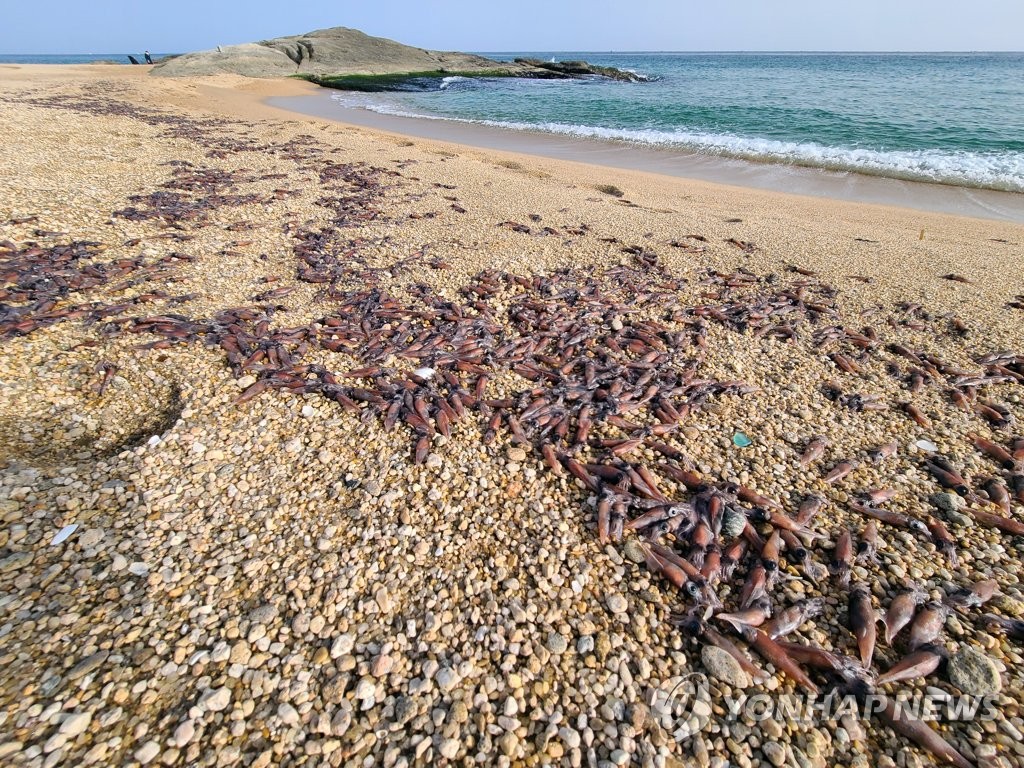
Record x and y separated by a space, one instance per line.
276 581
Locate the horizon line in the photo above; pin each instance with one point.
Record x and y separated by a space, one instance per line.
598 51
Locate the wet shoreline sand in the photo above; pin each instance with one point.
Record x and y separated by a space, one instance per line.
269 576
665 161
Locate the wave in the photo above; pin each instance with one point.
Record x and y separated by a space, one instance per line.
987 170
451 80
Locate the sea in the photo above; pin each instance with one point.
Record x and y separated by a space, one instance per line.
75 58
951 118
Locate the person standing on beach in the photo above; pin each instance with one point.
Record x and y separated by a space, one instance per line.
149 59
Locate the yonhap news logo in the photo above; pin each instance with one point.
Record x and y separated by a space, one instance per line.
683 706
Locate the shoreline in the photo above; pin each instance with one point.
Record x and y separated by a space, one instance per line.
765 176
306 429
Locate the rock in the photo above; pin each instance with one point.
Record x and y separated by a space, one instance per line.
723 667
87 665
289 715
449 748
447 679
91 538
508 744
325 52
633 550
342 51
342 646
775 753
364 690
557 643
570 737
15 562
733 522
215 700
382 665
518 455
240 653
184 733
947 502
75 723
9 748
616 603
974 673
147 752
1011 606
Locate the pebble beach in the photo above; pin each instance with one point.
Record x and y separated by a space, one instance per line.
258 508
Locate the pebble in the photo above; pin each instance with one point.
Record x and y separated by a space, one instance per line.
449 748
288 714
557 643
723 667
9 748
88 664
382 665
15 562
364 690
342 645
633 550
147 752
184 733
75 723
508 743
616 603
974 673
775 753
215 700
446 679
947 502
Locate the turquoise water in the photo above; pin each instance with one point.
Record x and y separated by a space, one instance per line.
950 118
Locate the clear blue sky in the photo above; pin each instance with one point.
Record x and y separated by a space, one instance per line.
114 26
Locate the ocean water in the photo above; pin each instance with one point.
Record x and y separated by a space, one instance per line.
73 58
955 118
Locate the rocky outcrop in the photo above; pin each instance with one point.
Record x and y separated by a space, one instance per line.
340 52
579 68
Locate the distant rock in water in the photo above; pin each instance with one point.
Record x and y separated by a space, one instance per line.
577 68
329 55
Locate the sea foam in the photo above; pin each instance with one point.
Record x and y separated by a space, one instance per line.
991 170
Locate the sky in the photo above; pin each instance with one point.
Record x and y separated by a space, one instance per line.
115 26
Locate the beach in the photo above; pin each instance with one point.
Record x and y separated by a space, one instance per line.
260 572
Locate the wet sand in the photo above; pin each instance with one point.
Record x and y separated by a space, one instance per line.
814 182
215 550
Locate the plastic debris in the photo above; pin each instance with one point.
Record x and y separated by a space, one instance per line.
740 440
64 534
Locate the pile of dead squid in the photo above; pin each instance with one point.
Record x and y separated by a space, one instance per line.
594 372
38 284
